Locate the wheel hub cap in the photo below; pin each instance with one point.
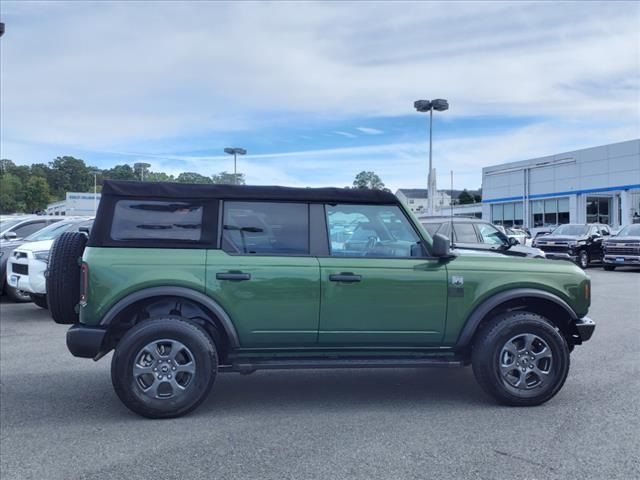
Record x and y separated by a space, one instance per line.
526 362
164 369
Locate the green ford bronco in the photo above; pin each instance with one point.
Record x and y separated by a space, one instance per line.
186 281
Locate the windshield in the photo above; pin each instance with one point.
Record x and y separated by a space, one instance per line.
51 232
630 231
571 230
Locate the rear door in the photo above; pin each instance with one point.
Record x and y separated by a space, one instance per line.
384 291
264 276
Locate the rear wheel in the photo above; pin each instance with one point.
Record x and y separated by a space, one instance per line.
63 277
40 300
609 268
520 359
164 368
19 296
583 259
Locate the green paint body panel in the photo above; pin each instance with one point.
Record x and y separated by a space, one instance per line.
290 305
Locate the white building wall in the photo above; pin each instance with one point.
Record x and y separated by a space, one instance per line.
608 171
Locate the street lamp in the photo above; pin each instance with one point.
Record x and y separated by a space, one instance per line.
422 106
235 151
142 167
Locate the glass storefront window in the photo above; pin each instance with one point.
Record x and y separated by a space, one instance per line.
507 215
496 214
537 211
518 214
549 212
598 210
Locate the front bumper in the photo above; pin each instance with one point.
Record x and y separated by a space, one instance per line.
613 259
33 280
585 328
85 342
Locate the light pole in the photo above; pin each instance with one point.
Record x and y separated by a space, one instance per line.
422 106
235 151
142 167
94 172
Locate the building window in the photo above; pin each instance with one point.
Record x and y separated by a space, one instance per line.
507 214
549 212
598 209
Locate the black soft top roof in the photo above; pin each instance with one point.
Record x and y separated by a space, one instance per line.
242 192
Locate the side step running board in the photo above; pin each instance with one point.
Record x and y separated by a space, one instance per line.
250 366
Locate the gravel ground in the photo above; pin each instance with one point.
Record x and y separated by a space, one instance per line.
60 419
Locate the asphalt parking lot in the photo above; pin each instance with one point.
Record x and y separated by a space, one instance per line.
60 419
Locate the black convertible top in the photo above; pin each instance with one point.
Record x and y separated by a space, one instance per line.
242 192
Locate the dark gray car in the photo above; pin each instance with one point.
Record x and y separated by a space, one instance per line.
477 234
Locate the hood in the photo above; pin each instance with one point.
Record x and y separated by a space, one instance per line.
37 246
623 240
560 238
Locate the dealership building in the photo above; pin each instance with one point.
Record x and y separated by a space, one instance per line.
75 203
598 184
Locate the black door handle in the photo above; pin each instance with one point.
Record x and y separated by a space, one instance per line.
234 276
345 277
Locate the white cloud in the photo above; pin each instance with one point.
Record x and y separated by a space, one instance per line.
176 69
370 131
345 134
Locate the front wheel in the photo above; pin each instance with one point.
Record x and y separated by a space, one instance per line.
164 368
520 359
583 259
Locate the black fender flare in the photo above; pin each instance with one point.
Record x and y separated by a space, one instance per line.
481 311
184 292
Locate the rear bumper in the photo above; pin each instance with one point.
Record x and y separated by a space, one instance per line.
585 327
84 341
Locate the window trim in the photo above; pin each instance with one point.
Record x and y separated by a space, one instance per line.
242 254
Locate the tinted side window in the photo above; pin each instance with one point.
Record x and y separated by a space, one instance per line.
490 234
29 228
157 220
266 228
465 233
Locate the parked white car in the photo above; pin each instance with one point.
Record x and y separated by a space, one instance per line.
27 265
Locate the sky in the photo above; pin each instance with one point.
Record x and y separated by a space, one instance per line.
316 92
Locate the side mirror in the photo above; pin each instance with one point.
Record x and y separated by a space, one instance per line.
513 242
10 236
441 246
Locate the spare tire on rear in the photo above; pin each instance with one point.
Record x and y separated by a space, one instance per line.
63 277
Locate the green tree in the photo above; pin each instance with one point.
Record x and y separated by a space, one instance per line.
369 180
69 174
120 172
229 178
36 194
465 197
11 194
192 177
158 177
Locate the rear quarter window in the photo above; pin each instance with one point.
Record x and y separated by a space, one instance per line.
157 220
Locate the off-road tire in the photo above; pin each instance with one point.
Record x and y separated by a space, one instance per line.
489 344
583 259
126 355
40 300
609 268
18 296
63 277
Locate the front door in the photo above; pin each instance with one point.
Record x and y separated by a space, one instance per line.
378 287
264 277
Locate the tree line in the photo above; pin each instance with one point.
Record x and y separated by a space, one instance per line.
30 188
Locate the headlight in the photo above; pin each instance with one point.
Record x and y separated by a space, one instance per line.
42 255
